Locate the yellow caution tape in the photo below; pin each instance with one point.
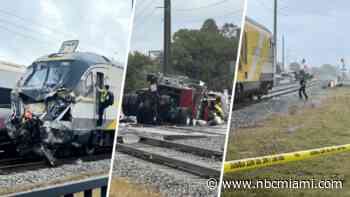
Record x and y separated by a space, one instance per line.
258 162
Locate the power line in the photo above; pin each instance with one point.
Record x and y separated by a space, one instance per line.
201 7
139 4
145 18
24 35
233 13
52 30
139 14
264 5
24 27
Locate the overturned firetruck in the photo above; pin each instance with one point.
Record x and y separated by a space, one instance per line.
177 100
55 104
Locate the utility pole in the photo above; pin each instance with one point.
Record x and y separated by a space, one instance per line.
167 36
132 4
275 37
283 55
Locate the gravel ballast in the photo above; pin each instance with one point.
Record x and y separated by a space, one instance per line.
252 115
168 181
46 176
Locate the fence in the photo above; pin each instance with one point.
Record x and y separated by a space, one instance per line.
69 189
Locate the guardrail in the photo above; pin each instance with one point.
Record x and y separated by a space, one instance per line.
69 189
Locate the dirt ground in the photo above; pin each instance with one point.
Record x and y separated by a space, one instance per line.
123 188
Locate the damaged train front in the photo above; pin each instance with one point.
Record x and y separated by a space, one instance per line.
40 120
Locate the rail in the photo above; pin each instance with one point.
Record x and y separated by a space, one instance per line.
69 189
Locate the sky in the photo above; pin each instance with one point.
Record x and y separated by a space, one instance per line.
148 23
316 30
30 29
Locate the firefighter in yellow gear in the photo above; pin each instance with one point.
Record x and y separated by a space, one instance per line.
217 113
103 97
218 108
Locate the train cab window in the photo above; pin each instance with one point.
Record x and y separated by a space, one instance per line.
38 77
26 76
88 90
246 75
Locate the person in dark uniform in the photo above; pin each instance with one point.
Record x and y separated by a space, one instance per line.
302 89
154 98
106 99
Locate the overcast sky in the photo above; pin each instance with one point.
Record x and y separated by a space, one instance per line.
30 29
148 26
315 29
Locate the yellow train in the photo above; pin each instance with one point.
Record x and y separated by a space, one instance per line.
255 71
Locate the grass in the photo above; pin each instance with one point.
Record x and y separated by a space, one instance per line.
303 128
122 187
95 193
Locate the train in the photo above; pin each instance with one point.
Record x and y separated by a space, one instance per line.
255 76
55 104
10 73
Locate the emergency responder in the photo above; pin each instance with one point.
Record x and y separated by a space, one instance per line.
217 114
155 98
302 89
106 98
302 78
218 108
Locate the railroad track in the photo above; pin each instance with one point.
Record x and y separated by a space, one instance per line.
198 161
279 91
289 90
19 164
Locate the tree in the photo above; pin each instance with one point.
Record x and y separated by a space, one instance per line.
209 25
139 65
205 54
230 30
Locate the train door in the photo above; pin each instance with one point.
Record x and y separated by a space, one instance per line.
99 85
83 111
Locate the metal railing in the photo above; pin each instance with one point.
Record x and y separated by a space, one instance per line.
69 189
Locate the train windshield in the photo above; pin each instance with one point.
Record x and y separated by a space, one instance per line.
46 74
